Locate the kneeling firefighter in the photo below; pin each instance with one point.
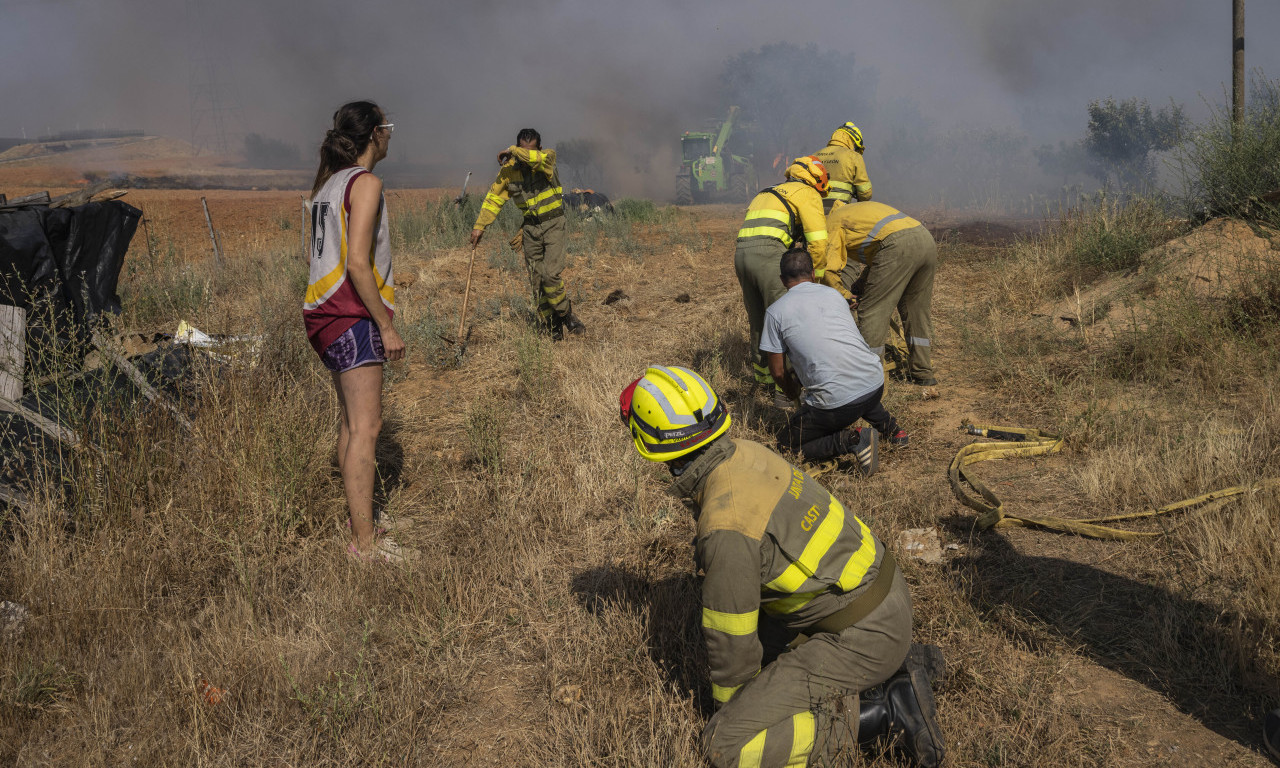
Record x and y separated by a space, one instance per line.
780 217
784 561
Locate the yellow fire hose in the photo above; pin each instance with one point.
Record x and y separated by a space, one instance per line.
1018 442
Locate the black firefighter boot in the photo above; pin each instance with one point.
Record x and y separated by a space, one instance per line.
903 709
570 323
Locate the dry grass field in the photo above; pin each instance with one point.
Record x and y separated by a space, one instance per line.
550 616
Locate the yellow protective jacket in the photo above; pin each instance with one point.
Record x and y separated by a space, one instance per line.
857 230
529 179
847 170
769 538
800 216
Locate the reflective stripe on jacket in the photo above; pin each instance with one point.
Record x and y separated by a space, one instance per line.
767 216
528 179
848 172
770 538
857 230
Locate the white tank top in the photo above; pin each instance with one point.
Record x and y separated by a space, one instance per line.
327 286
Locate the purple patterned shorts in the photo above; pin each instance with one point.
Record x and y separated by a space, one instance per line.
360 345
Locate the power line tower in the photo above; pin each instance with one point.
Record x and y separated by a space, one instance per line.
217 122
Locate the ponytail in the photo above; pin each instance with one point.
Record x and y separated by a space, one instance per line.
353 127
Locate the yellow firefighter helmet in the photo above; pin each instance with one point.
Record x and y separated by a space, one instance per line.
849 132
671 411
811 171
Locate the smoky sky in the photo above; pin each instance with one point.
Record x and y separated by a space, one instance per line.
459 79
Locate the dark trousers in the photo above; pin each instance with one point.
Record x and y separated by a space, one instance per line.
819 434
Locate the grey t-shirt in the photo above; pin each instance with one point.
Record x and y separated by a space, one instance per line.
812 325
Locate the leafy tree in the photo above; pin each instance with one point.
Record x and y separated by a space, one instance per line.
1122 135
794 96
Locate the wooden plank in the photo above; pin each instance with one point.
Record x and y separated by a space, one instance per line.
80 196
110 194
140 381
37 198
13 351
51 428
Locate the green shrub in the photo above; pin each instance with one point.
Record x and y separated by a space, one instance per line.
1224 170
1109 235
485 422
424 331
633 209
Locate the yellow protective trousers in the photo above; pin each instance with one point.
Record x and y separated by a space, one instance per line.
757 263
802 709
544 253
901 277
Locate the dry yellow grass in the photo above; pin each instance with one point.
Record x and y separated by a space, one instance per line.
551 616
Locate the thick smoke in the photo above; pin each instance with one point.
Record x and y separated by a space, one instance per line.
460 79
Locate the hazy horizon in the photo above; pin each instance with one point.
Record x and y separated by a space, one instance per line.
459 81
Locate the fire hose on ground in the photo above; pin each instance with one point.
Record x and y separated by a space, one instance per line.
1017 442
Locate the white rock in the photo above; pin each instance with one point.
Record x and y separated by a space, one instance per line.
921 544
13 619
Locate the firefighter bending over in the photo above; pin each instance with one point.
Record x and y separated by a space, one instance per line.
783 560
779 217
888 260
528 177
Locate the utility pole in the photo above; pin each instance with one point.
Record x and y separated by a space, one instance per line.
1237 64
216 119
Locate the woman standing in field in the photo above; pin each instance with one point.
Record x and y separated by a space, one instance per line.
350 300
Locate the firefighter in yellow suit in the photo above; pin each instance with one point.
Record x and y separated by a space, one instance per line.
848 171
528 178
787 572
786 213
889 260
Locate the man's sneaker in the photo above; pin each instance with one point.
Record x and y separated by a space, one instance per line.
780 399
898 439
865 451
572 324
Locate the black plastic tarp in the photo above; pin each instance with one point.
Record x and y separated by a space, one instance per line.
66 260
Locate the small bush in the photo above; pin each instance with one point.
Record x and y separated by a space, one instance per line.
533 361
1225 170
1112 236
633 209
485 421
424 333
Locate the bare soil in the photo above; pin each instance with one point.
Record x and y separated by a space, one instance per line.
1213 261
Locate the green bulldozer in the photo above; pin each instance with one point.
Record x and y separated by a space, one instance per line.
708 172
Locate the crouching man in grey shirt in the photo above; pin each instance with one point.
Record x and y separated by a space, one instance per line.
842 378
